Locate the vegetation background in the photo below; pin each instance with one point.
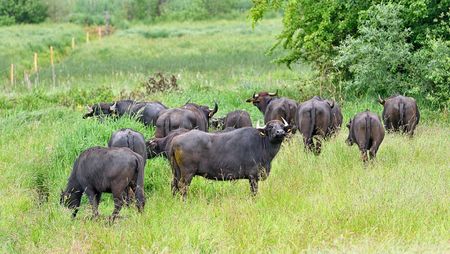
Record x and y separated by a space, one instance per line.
347 50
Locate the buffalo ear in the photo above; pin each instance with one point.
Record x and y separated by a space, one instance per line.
331 103
288 128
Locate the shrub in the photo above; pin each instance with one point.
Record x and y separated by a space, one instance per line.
431 72
22 11
377 60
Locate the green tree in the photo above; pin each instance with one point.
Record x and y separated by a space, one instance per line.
22 11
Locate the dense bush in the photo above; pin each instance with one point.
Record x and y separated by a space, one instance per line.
367 47
22 11
376 60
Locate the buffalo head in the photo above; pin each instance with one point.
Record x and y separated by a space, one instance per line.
262 99
99 109
275 130
218 123
349 139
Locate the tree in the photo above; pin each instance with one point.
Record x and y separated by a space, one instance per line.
22 11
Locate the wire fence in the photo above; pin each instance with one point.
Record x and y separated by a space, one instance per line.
25 77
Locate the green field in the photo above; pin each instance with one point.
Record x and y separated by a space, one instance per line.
326 203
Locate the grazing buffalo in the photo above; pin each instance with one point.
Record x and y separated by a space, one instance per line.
314 118
366 130
275 108
235 119
400 113
244 153
110 170
190 116
160 146
100 109
145 112
131 139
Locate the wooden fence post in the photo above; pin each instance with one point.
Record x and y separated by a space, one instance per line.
35 62
73 43
87 37
53 67
11 75
99 30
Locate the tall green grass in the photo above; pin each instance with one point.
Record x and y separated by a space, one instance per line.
326 203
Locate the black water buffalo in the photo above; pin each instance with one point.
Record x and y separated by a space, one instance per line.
110 170
336 115
366 130
314 119
400 113
190 116
145 112
131 139
235 119
160 146
99 109
275 108
244 153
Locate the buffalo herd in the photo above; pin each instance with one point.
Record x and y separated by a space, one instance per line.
235 150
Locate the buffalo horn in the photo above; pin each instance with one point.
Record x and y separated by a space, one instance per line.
260 127
274 94
216 107
113 107
284 122
381 101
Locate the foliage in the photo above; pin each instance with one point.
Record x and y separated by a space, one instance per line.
365 47
431 72
379 57
22 11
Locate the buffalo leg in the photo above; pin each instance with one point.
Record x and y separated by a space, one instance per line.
74 202
175 188
92 195
118 202
317 147
185 181
253 185
364 155
309 144
373 152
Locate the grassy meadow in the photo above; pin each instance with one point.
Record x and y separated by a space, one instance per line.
326 203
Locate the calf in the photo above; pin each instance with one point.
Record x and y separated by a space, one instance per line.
400 113
110 170
244 153
131 139
366 130
235 119
160 146
189 116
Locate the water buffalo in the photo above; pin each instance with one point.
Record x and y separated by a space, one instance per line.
190 116
99 109
336 115
400 113
131 139
160 146
274 108
366 130
314 119
145 112
235 119
244 153
110 170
